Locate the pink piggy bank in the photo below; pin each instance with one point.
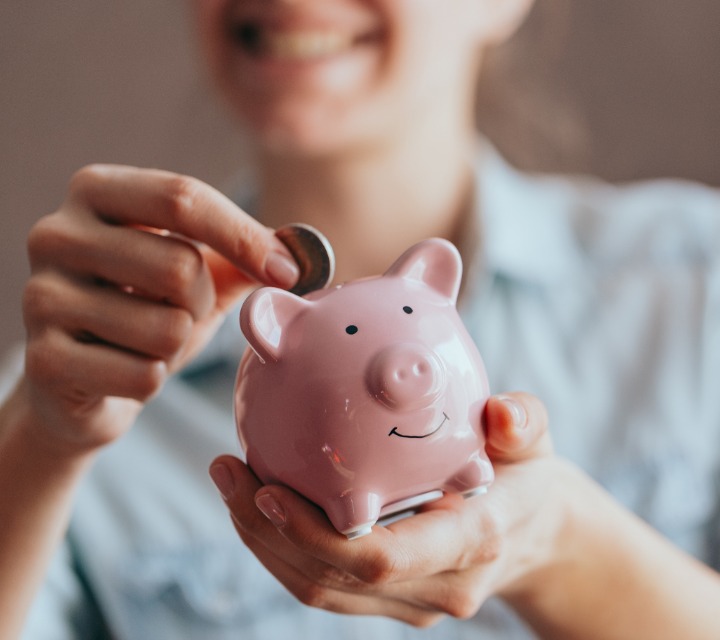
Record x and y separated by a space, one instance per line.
365 398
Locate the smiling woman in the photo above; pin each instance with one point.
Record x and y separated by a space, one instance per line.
324 75
601 301
267 57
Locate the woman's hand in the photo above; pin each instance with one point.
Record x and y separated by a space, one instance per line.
447 559
131 276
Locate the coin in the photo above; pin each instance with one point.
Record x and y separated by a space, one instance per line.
312 252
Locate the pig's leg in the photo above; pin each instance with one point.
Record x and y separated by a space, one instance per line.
354 513
474 478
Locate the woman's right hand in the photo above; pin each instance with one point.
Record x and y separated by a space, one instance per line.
130 278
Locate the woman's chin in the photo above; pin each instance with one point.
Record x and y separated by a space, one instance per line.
308 137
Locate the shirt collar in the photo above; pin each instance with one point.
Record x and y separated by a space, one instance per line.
519 230
526 233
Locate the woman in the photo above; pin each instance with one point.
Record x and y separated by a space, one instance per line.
362 117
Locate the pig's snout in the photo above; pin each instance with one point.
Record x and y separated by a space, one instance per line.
406 377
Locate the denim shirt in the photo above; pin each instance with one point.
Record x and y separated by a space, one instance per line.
603 300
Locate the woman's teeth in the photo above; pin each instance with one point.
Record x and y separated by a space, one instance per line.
306 45
294 45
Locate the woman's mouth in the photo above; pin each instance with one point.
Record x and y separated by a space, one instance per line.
296 44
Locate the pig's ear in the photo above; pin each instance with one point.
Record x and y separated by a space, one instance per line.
265 318
434 262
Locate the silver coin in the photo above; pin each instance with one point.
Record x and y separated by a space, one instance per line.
312 252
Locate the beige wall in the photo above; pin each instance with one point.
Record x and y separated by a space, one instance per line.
626 89
118 82
88 81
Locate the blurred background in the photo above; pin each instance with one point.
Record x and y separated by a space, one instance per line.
623 90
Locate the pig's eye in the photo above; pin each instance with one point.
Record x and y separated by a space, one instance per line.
351 329
408 310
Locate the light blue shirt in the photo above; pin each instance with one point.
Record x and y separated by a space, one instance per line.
602 300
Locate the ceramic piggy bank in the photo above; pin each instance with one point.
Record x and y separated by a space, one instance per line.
365 398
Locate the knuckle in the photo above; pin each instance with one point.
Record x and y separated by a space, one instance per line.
84 177
175 328
313 595
490 550
42 362
427 619
380 568
334 578
490 547
180 195
486 543
44 236
36 300
148 380
460 594
183 271
461 604
37 238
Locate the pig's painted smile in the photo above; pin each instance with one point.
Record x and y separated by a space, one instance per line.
395 432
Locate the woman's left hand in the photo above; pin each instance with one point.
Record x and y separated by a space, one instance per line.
445 560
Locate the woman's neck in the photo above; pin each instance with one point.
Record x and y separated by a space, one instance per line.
374 205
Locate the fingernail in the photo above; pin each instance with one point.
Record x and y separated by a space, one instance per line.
282 269
271 509
517 410
223 479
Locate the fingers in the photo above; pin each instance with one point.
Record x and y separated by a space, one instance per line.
320 592
119 264
79 375
139 292
156 267
310 579
131 277
444 560
180 204
449 534
516 428
447 537
90 313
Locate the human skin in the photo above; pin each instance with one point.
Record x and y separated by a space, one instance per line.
120 296
354 157
374 151
545 538
444 560
376 135
117 301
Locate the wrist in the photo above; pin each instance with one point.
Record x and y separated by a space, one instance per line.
24 430
38 480
562 520
612 576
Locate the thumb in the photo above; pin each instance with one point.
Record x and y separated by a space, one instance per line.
516 428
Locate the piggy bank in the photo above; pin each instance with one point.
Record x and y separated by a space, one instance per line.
365 398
